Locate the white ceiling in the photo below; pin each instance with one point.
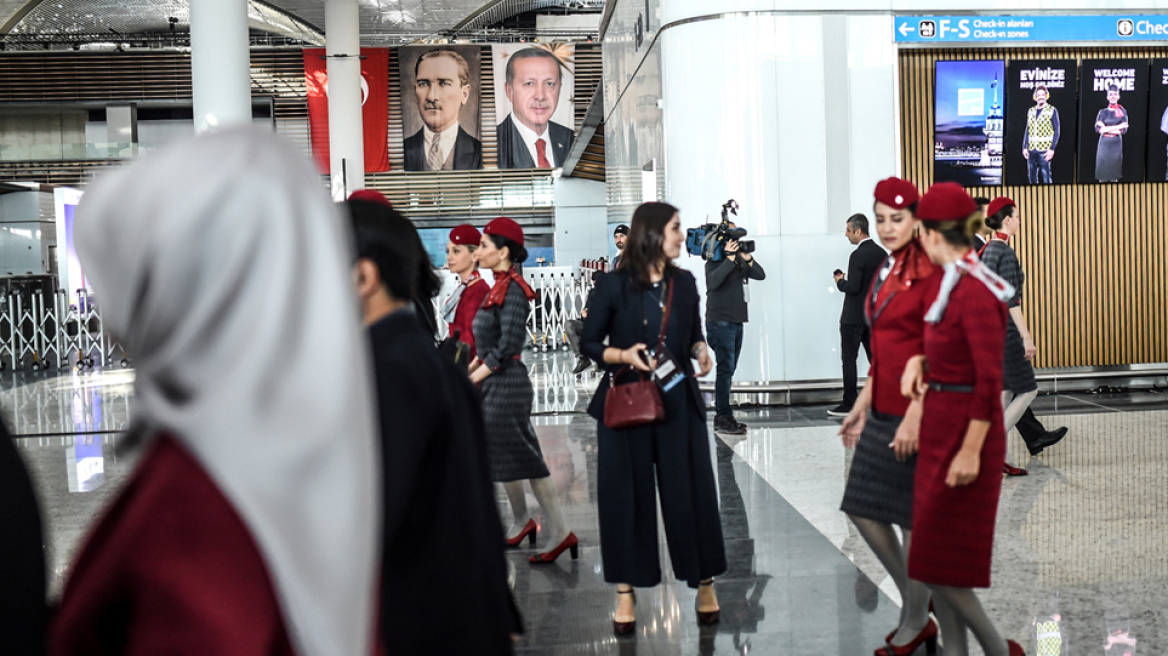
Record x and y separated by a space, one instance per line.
382 21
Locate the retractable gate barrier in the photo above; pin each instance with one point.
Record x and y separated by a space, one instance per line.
559 298
39 329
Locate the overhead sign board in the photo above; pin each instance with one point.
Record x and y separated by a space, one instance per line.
1021 29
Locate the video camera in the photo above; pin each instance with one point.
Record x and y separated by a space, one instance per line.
709 240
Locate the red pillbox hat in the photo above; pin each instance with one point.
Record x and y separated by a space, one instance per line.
945 201
896 193
370 195
466 234
997 204
505 227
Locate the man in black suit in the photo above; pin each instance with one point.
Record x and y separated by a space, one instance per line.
442 87
528 138
865 261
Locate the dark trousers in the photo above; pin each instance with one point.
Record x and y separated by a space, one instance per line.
852 336
1037 168
573 327
1029 427
726 340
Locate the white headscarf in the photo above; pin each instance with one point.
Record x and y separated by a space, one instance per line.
223 267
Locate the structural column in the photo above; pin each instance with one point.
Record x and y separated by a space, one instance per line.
346 133
220 63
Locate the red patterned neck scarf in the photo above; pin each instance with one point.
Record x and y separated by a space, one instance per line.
1116 109
498 293
908 264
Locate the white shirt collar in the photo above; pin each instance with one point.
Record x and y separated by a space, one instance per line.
529 138
445 144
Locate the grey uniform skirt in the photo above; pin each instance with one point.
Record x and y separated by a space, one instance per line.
880 487
513 451
1017 372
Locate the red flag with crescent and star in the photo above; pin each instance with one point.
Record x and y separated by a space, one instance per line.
374 106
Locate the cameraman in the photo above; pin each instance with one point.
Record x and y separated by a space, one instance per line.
725 313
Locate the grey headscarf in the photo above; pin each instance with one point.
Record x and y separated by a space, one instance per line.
223 267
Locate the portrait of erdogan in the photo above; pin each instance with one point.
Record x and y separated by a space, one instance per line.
528 137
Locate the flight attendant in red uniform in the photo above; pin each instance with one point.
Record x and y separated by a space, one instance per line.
962 439
882 425
464 302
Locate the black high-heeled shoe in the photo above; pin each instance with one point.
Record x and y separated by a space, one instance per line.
625 628
711 616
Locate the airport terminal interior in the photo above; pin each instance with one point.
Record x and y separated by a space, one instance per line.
786 138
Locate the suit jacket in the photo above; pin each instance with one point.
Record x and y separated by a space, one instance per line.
442 528
513 152
616 311
864 263
468 152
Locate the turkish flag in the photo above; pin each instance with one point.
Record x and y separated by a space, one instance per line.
374 106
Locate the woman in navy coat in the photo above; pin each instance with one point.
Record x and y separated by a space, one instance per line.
671 456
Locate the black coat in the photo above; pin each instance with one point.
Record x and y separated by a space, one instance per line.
23 614
443 541
513 153
468 152
864 263
616 311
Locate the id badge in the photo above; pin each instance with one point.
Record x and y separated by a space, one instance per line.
668 372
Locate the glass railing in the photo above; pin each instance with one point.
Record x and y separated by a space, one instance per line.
10 152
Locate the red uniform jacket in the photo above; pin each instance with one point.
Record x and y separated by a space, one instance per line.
170 569
897 321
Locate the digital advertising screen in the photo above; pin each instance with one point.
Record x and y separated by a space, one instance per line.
1042 117
1113 119
1157 157
969 122
73 280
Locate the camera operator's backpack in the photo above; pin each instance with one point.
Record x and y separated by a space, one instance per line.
703 241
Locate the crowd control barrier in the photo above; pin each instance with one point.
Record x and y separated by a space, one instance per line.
39 329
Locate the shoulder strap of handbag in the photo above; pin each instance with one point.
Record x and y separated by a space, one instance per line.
665 313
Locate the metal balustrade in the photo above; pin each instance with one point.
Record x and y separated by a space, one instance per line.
559 297
41 329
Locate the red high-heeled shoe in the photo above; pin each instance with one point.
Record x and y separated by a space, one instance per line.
1009 470
1015 648
888 638
528 532
548 557
928 637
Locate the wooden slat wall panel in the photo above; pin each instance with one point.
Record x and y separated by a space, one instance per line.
1095 256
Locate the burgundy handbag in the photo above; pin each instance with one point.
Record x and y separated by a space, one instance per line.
637 403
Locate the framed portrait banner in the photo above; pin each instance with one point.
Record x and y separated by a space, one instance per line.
533 99
969 122
441 93
1042 119
1113 120
1157 157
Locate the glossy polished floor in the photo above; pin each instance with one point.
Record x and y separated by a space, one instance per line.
1081 551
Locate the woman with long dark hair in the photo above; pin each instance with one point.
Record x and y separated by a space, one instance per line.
882 425
670 457
500 330
1019 387
962 442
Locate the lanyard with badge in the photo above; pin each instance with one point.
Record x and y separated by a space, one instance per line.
668 372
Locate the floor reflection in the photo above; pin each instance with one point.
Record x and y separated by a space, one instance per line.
1081 549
